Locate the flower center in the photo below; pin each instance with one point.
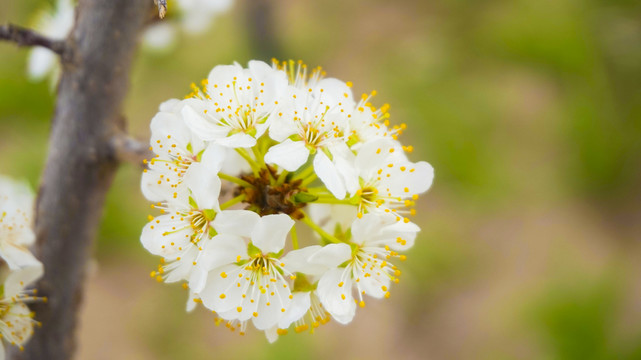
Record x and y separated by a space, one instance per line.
267 198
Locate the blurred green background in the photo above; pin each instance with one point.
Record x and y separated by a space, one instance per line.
530 112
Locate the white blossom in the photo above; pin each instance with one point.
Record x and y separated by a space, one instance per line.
376 240
180 234
387 181
247 280
236 105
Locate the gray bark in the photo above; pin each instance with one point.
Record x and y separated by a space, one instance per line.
81 163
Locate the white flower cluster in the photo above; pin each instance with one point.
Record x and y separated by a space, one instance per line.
18 267
283 200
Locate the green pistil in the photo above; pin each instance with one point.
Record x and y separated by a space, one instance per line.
282 177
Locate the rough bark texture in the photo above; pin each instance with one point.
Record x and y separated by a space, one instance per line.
81 162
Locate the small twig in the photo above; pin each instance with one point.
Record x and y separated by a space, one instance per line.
162 8
27 37
128 149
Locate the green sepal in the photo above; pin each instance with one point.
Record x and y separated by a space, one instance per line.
193 203
276 255
302 284
344 236
253 251
209 214
199 156
303 197
190 148
328 153
212 232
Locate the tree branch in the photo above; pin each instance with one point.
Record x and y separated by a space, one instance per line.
128 149
80 164
27 37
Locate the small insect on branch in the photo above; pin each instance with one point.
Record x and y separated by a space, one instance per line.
162 8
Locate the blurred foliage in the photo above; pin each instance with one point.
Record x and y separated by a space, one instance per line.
530 112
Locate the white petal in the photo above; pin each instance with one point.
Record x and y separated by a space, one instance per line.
179 270
337 300
271 231
169 105
282 126
372 156
407 179
299 306
156 185
168 128
16 256
221 293
329 175
236 222
160 237
205 185
18 279
221 250
290 155
271 334
239 140
271 308
348 173
297 261
373 285
191 304
234 164
214 157
333 92
197 279
331 255
200 125
380 229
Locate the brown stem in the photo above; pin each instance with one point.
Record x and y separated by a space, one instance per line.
27 37
80 164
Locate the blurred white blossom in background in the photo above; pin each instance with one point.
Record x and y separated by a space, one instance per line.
55 23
